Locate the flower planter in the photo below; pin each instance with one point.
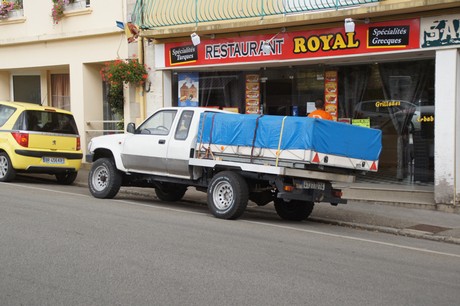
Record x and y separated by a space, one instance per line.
16 13
77 5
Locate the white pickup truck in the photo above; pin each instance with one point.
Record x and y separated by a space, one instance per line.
291 161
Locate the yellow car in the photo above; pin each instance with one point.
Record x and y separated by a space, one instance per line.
38 139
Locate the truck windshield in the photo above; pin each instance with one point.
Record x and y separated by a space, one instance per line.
158 124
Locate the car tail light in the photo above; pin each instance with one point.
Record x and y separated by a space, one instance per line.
78 143
21 138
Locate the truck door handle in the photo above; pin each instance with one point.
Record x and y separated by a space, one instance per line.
161 141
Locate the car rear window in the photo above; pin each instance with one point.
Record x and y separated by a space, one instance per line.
49 122
5 113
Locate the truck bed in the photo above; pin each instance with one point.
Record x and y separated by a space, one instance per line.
292 142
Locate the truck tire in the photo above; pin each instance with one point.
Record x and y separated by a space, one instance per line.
227 195
170 192
104 180
7 172
294 210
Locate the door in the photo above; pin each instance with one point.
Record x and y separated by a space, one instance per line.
146 150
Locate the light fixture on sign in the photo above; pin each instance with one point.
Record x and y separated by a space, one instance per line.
266 47
195 39
349 24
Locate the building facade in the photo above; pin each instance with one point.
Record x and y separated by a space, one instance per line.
54 57
388 64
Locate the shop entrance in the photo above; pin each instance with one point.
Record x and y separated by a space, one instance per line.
277 92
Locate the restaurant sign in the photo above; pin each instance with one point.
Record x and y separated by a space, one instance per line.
367 38
440 31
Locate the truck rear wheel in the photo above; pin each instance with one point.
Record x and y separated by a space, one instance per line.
293 210
170 192
227 195
104 179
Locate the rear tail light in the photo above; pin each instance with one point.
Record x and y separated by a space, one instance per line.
21 138
337 193
78 143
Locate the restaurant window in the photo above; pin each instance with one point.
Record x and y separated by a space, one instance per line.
208 89
397 98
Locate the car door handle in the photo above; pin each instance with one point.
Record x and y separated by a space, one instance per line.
161 141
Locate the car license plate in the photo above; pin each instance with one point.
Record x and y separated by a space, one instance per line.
314 185
54 160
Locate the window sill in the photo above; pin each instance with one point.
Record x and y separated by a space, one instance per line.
12 20
77 12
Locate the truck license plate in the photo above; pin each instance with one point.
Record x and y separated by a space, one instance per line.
53 160
314 185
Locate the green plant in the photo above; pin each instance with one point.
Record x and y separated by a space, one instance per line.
119 72
18 5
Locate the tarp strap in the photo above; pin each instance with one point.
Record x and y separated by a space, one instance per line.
208 149
255 136
202 128
279 142
201 134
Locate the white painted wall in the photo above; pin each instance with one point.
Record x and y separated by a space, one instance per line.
447 101
79 45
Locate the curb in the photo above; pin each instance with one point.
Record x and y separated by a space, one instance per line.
390 230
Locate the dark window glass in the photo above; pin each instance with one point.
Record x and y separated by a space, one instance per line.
49 122
5 113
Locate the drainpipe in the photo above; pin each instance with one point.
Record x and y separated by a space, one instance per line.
456 95
141 93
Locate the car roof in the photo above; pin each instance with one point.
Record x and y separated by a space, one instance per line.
33 106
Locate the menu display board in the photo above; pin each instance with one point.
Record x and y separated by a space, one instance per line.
252 94
331 93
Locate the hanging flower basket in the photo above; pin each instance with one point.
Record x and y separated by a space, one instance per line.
124 71
57 11
119 72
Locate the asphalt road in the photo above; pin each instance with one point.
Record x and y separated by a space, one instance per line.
60 246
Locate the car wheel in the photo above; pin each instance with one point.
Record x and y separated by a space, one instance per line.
170 192
66 178
104 180
293 210
227 195
7 172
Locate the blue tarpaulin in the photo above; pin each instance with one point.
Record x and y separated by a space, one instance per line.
290 133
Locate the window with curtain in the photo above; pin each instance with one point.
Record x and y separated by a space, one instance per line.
60 91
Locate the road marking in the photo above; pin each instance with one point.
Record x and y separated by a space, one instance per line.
258 223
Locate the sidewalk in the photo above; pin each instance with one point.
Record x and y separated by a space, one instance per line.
395 219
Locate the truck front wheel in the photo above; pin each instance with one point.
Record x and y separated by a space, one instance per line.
104 179
293 210
227 195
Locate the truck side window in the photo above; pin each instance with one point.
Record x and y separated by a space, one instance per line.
159 123
183 125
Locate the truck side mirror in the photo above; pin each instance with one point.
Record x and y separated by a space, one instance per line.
131 128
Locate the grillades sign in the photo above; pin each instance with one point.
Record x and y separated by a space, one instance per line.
374 37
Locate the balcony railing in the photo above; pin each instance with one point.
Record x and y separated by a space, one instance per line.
150 14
